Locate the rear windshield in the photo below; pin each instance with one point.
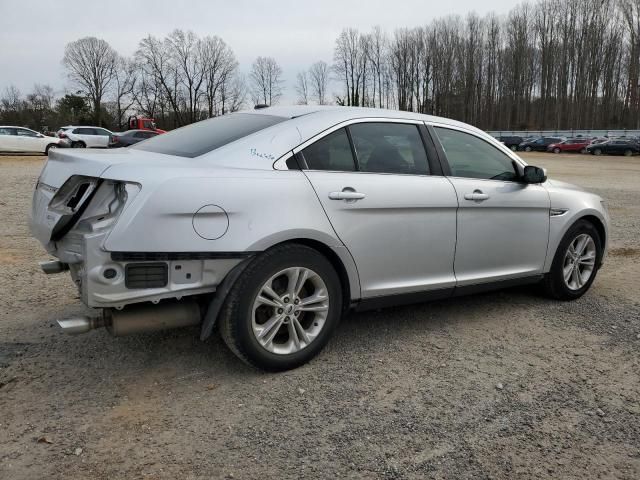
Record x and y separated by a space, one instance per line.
202 137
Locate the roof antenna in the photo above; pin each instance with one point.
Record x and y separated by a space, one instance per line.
260 105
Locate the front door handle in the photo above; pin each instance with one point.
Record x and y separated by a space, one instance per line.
347 194
476 196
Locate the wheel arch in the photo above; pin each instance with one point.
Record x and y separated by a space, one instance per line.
558 232
602 231
338 262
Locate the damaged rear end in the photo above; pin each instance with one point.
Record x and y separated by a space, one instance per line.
75 207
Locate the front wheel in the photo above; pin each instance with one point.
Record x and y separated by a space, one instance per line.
575 263
583 151
527 149
78 145
49 147
597 151
628 153
282 309
556 150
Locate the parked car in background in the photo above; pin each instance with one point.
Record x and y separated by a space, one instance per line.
85 137
25 140
540 144
270 224
130 137
570 145
614 147
142 123
511 141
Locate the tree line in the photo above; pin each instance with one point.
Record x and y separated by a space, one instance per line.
552 64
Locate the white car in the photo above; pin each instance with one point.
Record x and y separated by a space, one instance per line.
271 224
20 139
86 137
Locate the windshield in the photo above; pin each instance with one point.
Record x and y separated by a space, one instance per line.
205 136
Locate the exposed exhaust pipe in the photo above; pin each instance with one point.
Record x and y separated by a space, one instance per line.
137 319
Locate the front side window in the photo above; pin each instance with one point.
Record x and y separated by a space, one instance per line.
332 153
22 132
389 148
472 157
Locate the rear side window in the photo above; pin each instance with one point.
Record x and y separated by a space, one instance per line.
203 137
389 148
472 157
7 131
332 152
84 131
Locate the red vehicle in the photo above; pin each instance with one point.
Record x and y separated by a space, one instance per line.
570 145
141 123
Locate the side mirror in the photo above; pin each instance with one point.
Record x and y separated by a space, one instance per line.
534 174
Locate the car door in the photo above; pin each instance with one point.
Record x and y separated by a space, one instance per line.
503 224
8 141
388 204
102 137
29 141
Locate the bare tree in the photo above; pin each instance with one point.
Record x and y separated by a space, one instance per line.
90 63
220 67
319 79
124 83
266 81
302 88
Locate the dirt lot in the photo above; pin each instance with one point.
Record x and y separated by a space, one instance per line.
500 385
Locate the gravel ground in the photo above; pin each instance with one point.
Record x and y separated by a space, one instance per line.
500 385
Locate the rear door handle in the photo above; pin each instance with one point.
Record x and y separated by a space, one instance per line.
476 196
346 194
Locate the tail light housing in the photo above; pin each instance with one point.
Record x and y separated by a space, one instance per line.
73 194
62 135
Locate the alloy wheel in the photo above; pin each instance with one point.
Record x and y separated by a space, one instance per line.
290 310
579 261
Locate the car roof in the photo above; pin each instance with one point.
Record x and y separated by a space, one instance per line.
308 118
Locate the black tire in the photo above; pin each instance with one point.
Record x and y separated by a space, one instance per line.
553 283
527 148
514 148
628 152
49 147
235 320
597 151
556 150
78 145
584 151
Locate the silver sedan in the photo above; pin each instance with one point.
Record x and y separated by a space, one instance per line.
271 224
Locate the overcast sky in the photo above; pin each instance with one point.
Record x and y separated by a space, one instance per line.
33 34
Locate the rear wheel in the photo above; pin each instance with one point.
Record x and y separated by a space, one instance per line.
282 309
575 263
597 151
49 147
527 148
514 148
556 150
628 153
583 151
